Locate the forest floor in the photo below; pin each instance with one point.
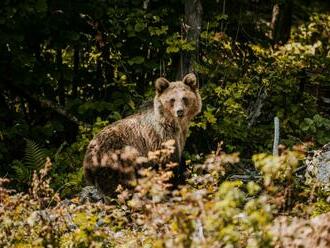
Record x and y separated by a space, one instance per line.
214 208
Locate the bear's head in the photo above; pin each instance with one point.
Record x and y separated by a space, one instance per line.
178 100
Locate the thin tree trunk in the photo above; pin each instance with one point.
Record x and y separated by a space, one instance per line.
281 21
75 79
108 70
223 13
191 30
60 84
99 79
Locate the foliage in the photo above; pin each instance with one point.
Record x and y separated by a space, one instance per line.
276 168
205 212
148 208
34 159
248 84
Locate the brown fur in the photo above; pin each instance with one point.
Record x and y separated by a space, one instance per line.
145 131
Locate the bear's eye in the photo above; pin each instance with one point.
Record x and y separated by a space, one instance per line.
185 100
172 100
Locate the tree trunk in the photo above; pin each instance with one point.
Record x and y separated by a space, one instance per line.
108 70
281 21
191 29
75 79
99 80
60 84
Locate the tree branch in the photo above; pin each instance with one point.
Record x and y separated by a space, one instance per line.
43 103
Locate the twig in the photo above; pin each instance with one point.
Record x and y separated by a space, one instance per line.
199 230
300 168
276 135
243 177
43 103
255 109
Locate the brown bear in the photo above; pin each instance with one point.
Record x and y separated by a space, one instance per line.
175 104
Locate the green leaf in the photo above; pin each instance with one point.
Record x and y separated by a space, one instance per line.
35 156
139 26
157 31
136 60
22 172
210 117
172 49
309 121
41 6
131 104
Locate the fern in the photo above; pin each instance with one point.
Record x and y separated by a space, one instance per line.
35 156
72 183
34 159
22 173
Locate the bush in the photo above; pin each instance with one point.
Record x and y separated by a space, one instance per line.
206 212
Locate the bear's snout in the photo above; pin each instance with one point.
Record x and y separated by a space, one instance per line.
179 113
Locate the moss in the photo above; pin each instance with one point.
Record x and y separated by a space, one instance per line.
85 221
320 207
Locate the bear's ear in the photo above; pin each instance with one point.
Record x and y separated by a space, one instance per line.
161 84
191 80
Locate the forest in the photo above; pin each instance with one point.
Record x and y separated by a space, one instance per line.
257 155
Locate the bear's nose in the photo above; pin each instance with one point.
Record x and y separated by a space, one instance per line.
179 113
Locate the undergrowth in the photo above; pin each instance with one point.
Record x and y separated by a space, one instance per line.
207 211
